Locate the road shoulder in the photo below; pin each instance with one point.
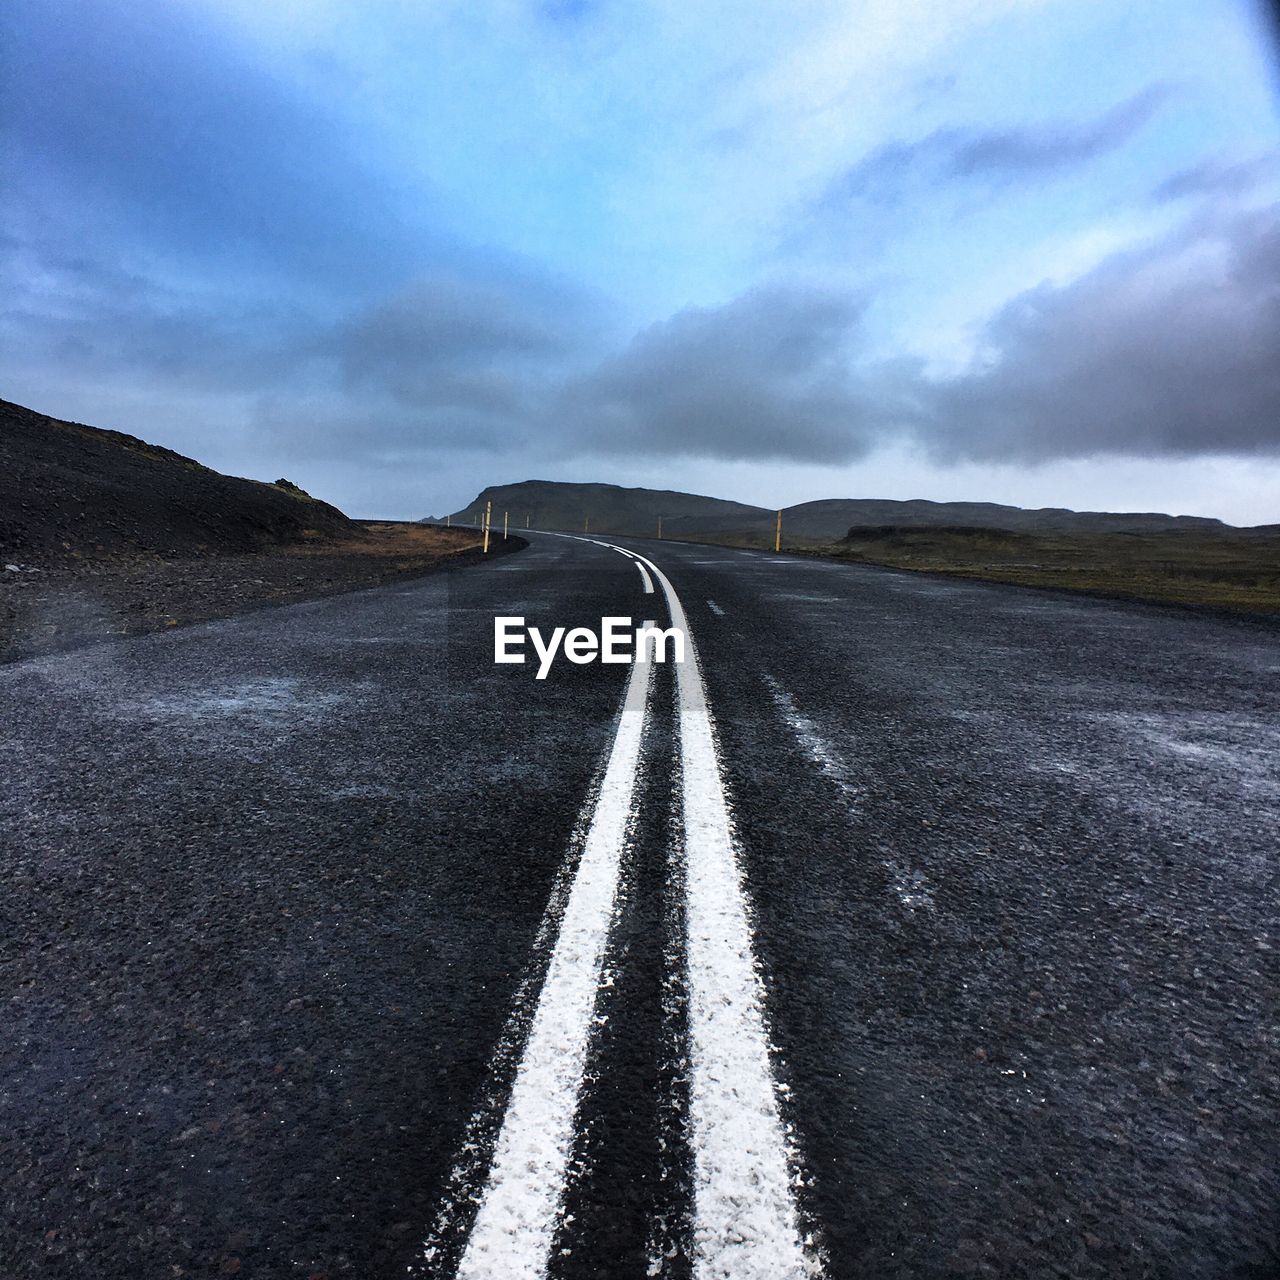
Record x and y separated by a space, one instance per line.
50 607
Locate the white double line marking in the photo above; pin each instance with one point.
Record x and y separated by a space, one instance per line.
746 1225
514 1228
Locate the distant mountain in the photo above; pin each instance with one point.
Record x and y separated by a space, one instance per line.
608 508
71 491
833 517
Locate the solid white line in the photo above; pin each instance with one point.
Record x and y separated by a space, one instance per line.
515 1225
639 562
746 1224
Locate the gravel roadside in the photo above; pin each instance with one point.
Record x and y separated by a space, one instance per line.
48 607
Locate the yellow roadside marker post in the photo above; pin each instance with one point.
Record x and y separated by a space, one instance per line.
488 508
777 534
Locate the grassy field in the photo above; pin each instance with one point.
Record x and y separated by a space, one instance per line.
1231 570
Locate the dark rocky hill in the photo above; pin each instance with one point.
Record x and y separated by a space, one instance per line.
69 491
609 508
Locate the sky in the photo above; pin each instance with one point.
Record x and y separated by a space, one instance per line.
1022 251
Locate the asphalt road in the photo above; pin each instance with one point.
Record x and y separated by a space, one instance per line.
920 929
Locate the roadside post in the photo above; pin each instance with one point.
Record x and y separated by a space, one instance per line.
659 528
777 534
504 526
488 511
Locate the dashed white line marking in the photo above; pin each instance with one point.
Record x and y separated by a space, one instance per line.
515 1225
715 608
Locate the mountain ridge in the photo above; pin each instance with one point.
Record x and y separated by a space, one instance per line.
605 508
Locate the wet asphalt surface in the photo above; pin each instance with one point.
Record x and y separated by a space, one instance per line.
274 885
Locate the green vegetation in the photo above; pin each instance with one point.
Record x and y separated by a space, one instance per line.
1232 569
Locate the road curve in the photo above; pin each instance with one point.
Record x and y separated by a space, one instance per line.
910 928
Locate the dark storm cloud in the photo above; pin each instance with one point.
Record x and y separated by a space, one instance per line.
381 432
995 155
448 363
1219 178
105 318
765 376
1170 351
446 340
1038 148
